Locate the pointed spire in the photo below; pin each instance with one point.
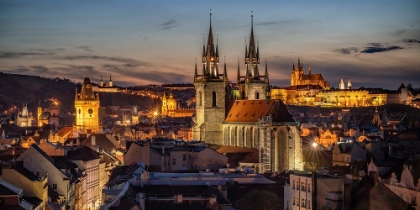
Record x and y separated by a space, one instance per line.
239 73
293 68
75 94
258 48
246 49
299 66
217 45
204 46
195 71
225 76
309 69
266 71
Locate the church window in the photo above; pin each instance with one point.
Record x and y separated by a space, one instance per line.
213 96
200 99
257 95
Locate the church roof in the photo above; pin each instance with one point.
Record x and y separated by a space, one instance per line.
249 111
312 77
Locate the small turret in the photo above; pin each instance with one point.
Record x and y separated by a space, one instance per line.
348 84
101 83
341 85
110 81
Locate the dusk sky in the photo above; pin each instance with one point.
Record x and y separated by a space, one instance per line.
372 43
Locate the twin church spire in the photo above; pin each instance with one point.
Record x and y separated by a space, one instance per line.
210 60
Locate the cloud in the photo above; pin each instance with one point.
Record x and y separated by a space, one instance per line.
411 41
13 55
86 48
399 32
127 61
347 50
273 22
168 25
377 47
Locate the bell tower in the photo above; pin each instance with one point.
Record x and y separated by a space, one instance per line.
87 108
211 95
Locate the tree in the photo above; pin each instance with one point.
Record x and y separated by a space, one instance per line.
259 199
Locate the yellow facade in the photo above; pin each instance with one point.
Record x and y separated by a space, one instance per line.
87 109
344 98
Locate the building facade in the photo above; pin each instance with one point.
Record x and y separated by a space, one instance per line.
87 108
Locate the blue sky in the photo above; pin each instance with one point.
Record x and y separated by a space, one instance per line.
372 43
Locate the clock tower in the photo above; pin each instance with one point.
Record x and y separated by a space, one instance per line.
87 109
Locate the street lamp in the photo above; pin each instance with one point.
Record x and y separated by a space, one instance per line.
314 146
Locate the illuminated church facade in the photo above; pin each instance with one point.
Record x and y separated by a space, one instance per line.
252 119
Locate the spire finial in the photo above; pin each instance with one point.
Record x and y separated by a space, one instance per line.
210 17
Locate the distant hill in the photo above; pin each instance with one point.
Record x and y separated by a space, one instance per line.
15 90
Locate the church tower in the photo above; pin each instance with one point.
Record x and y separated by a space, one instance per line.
297 74
164 104
110 84
39 113
253 86
211 95
87 108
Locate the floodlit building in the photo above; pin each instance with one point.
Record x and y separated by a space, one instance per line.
87 108
253 120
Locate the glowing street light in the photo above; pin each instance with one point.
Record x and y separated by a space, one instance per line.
314 145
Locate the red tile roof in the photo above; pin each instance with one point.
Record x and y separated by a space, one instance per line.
250 110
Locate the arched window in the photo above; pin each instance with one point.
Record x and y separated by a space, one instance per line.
213 99
257 95
200 98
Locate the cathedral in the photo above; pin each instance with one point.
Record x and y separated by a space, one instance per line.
299 77
87 109
252 119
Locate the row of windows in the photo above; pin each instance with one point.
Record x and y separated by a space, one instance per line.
301 186
304 203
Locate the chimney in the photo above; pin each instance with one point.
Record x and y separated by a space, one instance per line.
374 176
314 191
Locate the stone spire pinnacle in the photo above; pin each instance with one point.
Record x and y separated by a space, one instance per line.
252 58
239 73
225 76
210 57
195 71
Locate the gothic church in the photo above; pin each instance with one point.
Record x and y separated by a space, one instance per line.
253 119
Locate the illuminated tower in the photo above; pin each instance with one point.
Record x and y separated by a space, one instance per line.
348 84
253 86
110 82
164 104
39 113
87 108
101 83
341 85
212 95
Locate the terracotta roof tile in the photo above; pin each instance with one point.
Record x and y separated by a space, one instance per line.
248 111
